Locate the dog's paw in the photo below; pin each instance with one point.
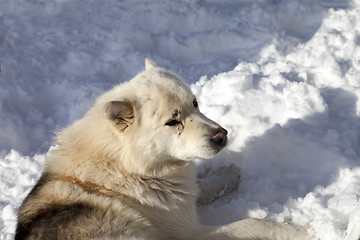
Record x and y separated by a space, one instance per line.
229 176
218 182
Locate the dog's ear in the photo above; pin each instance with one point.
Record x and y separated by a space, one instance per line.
121 113
149 64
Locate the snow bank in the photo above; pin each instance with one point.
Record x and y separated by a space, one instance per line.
294 123
18 175
282 77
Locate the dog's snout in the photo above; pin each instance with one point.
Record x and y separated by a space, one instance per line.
220 137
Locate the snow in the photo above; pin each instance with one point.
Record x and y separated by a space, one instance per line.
282 76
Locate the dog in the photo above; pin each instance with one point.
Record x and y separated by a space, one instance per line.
125 171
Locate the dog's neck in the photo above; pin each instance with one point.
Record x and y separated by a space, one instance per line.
171 182
87 186
152 191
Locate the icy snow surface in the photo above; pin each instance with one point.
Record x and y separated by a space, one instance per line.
283 76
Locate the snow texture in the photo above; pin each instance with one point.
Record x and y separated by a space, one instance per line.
283 76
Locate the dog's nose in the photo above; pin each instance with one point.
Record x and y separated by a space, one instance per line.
220 137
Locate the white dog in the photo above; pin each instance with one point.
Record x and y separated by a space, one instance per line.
124 171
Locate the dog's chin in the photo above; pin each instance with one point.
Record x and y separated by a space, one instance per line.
209 152
205 151
200 155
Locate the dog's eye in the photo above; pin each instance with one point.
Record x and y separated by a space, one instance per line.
172 123
195 103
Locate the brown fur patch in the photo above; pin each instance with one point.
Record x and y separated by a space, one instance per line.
27 212
45 215
86 186
66 215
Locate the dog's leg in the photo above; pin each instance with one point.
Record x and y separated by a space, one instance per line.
251 229
219 181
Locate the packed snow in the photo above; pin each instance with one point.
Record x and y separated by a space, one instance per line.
282 76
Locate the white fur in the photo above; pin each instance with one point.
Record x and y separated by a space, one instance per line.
149 162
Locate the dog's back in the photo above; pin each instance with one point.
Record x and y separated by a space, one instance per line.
43 217
86 212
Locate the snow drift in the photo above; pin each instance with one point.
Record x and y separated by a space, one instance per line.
282 76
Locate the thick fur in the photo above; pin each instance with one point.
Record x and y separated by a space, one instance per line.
124 171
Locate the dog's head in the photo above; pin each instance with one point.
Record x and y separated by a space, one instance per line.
158 115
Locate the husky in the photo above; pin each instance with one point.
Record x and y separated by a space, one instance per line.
125 171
